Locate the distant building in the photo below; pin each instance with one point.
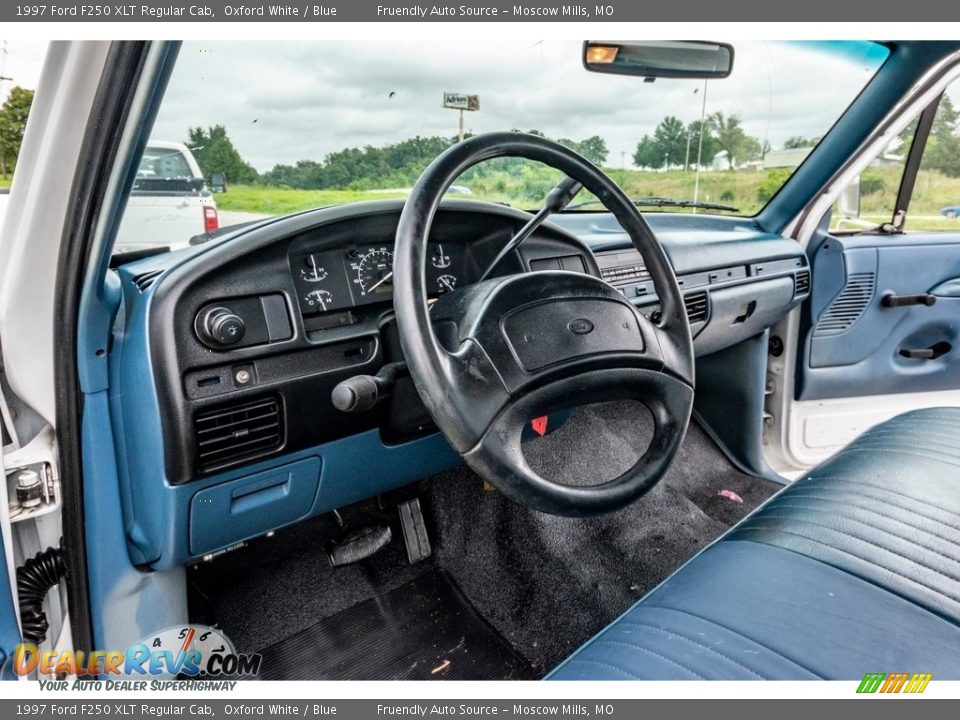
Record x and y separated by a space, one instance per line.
788 158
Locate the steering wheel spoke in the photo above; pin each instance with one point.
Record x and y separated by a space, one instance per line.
489 357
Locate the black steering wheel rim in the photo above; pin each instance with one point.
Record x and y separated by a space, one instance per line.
478 399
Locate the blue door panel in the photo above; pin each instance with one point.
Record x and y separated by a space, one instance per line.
9 625
853 344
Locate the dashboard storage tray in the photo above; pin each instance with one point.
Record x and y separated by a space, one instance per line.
252 505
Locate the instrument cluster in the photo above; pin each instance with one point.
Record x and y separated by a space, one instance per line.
330 281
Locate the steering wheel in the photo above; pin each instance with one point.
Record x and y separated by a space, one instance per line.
489 357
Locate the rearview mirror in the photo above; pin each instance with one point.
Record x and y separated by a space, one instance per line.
659 59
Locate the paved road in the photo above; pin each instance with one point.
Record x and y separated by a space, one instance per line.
232 217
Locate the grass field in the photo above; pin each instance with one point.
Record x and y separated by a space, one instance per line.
747 190
5 181
280 201
524 189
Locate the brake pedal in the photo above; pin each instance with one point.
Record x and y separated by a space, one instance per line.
360 545
415 535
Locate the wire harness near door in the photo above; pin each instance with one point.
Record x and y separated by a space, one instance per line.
35 578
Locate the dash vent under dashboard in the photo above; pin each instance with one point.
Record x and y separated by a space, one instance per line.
145 280
801 283
239 431
696 306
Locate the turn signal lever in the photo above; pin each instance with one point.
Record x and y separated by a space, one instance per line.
362 392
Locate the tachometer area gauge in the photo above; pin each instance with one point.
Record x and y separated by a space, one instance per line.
446 283
374 272
314 271
319 299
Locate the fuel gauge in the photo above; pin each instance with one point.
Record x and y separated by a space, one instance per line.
314 271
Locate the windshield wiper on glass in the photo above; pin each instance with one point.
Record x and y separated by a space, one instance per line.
663 202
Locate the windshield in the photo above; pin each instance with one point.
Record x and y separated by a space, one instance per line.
282 127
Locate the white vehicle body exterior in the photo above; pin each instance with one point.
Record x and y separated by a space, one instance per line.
170 202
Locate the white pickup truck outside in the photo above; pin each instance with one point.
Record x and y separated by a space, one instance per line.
170 201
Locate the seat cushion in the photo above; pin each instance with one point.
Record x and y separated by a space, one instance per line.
854 568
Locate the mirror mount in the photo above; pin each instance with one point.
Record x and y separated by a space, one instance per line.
652 59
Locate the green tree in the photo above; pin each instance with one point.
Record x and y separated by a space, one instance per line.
798 141
647 154
732 138
671 139
943 146
13 120
216 153
593 148
708 150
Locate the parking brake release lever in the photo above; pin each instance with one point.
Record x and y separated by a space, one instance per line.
362 392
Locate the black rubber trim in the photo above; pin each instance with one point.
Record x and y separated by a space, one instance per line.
914 158
123 67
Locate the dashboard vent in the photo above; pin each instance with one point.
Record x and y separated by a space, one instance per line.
848 306
145 280
801 283
696 305
238 432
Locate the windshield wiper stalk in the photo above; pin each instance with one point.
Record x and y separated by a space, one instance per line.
557 199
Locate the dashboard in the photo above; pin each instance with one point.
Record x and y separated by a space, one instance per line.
226 354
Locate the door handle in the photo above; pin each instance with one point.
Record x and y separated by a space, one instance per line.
928 353
891 301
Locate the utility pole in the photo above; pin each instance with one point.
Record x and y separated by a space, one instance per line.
461 124
703 117
3 76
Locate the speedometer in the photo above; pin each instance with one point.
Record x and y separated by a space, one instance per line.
374 270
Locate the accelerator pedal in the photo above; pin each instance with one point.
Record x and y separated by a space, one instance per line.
415 535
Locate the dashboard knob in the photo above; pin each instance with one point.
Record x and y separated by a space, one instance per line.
220 326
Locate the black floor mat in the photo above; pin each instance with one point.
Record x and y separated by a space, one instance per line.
424 630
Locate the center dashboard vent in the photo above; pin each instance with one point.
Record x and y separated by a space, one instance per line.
696 305
237 432
848 306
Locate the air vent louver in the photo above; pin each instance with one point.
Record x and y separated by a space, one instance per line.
145 280
696 305
801 283
848 306
238 432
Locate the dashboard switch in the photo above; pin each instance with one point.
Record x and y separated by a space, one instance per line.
221 327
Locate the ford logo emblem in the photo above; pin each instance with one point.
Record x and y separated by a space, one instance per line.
580 326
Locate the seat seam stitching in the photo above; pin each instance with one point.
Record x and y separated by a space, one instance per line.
602 639
691 641
800 494
606 665
737 632
855 557
849 518
878 487
890 451
872 544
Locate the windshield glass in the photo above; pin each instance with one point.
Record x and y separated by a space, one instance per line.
281 127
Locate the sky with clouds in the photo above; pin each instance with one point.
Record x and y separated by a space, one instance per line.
283 102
